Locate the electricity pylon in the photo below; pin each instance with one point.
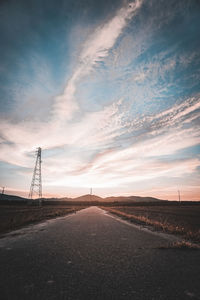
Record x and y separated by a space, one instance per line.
36 183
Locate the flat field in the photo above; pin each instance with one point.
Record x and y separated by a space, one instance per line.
16 216
181 220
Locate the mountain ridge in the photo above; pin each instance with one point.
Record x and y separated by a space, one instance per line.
88 198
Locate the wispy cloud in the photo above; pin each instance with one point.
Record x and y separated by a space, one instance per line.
95 49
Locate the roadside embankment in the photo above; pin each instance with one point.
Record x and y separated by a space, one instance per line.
183 221
15 216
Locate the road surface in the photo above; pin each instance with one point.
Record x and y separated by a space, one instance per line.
92 255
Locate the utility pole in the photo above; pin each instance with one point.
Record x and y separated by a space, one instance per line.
179 197
90 194
36 183
2 192
3 189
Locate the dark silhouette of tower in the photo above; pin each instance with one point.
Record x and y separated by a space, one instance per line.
2 192
90 194
36 183
179 197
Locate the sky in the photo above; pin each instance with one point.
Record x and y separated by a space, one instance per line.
108 89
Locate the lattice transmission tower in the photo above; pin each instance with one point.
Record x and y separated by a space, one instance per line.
36 183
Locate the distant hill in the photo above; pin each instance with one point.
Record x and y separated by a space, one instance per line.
88 197
85 198
6 197
131 199
61 199
96 198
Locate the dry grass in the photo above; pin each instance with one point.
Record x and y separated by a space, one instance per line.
182 245
168 219
13 217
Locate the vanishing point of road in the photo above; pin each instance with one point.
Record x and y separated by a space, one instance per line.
93 255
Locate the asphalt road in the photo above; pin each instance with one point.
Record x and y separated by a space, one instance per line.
91 255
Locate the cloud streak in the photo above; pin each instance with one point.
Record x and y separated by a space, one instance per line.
95 49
